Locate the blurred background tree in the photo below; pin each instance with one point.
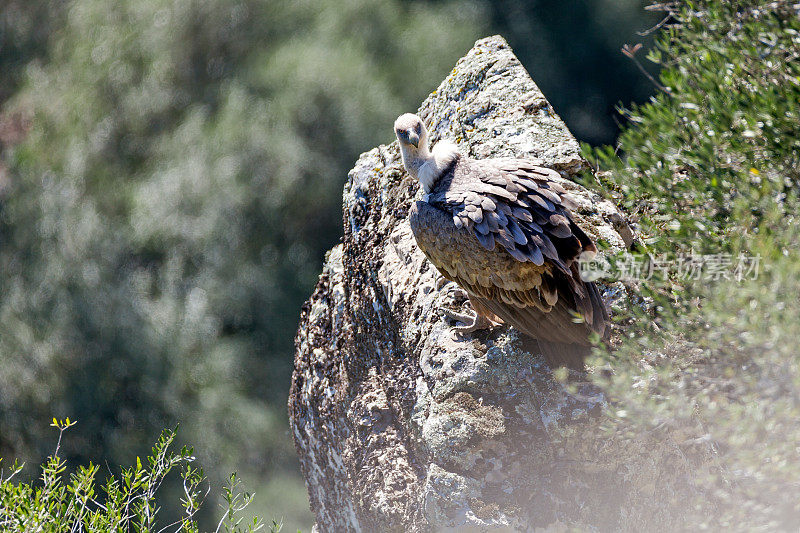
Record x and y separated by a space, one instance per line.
171 177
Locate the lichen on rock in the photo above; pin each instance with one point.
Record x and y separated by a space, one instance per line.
402 427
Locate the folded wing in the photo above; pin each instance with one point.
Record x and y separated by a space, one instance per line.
501 228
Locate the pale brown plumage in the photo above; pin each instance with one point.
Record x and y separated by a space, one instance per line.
502 230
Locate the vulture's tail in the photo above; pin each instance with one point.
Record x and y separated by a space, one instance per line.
558 354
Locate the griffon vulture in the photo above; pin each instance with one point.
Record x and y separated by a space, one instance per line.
501 229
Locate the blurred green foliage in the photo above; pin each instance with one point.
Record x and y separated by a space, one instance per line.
712 165
24 30
166 213
170 178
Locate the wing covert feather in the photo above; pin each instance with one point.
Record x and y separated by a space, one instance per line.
513 204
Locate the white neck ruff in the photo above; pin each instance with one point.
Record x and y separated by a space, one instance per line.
432 168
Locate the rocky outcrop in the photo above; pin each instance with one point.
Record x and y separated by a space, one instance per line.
402 427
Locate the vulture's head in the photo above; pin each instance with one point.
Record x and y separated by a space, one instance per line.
421 163
411 133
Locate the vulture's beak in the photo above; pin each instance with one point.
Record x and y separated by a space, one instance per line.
413 139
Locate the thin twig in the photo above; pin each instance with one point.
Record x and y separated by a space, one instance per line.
656 27
630 51
650 76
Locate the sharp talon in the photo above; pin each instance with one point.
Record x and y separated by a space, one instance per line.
441 282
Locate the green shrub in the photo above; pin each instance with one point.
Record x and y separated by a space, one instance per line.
126 502
711 166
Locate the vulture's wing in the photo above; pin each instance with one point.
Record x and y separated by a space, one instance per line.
501 229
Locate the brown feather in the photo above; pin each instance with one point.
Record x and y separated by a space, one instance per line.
532 282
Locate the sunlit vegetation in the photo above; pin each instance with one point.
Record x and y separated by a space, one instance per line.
711 166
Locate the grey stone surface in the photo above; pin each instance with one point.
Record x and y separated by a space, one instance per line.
401 427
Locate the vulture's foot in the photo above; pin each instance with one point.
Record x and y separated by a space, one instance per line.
472 322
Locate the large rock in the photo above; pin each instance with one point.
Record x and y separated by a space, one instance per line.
401 427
